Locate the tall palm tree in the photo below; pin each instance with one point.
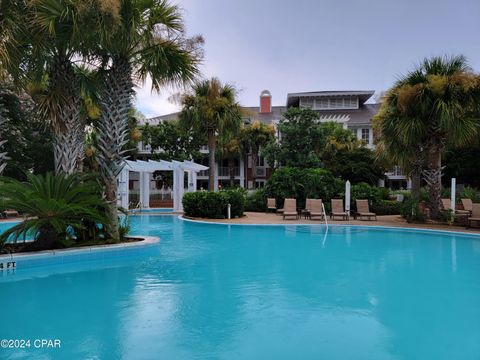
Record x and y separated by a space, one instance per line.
3 155
432 106
254 138
41 42
145 39
211 108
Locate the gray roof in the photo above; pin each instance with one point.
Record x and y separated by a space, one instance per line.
363 95
266 118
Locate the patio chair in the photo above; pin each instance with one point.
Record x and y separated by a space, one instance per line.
308 207
363 210
446 205
10 213
475 218
316 209
467 205
338 210
271 204
290 208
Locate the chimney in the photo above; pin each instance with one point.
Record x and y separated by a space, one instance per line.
265 102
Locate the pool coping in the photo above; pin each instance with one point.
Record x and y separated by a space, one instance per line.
146 241
375 227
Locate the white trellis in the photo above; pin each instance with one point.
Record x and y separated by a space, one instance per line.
146 168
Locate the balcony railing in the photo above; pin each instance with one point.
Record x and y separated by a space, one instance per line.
223 171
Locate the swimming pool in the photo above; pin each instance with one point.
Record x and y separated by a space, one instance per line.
257 292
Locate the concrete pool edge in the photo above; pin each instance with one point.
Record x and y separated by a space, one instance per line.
63 253
374 227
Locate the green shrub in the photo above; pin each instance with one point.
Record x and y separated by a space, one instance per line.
236 199
386 207
470 193
365 191
213 205
256 201
410 211
289 182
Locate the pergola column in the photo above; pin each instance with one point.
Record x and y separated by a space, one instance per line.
192 181
123 180
178 187
145 189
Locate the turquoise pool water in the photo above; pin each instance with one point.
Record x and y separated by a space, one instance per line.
256 292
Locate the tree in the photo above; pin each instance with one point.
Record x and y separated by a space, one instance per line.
3 120
229 146
434 105
42 40
27 139
356 165
254 138
145 39
169 141
211 109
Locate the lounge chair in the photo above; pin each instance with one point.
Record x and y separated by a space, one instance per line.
467 205
271 204
316 209
475 215
290 208
446 205
308 207
337 209
10 213
363 210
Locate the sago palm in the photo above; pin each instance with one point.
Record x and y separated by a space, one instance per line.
146 41
211 108
434 105
55 204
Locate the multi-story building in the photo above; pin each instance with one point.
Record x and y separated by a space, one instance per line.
348 108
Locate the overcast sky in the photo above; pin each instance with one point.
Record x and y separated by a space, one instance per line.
314 45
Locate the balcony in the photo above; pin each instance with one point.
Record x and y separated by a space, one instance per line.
223 171
396 174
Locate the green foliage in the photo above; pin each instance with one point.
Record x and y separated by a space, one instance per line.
470 193
60 208
289 182
365 191
213 205
256 201
465 171
175 142
28 140
410 211
386 207
357 165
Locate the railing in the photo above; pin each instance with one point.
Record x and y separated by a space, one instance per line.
397 171
203 173
225 171
326 225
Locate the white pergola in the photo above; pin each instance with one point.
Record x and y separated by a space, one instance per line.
145 168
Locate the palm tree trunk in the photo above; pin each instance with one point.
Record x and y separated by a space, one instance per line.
416 180
211 160
231 170
433 177
68 127
112 130
254 167
3 155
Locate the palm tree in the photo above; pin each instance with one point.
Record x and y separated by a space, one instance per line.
211 108
229 147
41 41
3 155
56 204
432 106
255 137
146 39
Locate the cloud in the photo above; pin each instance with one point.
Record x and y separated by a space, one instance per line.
154 104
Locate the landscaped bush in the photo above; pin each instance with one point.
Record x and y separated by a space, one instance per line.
365 191
470 193
411 212
288 182
213 205
386 207
256 201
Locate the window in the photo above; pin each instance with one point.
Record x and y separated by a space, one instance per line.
366 135
323 103
306 103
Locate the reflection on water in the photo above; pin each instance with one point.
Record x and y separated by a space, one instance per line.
253 292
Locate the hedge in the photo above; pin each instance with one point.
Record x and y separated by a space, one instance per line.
213 205
256 201
386 207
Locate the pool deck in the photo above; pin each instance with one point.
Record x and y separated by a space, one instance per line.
386 220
